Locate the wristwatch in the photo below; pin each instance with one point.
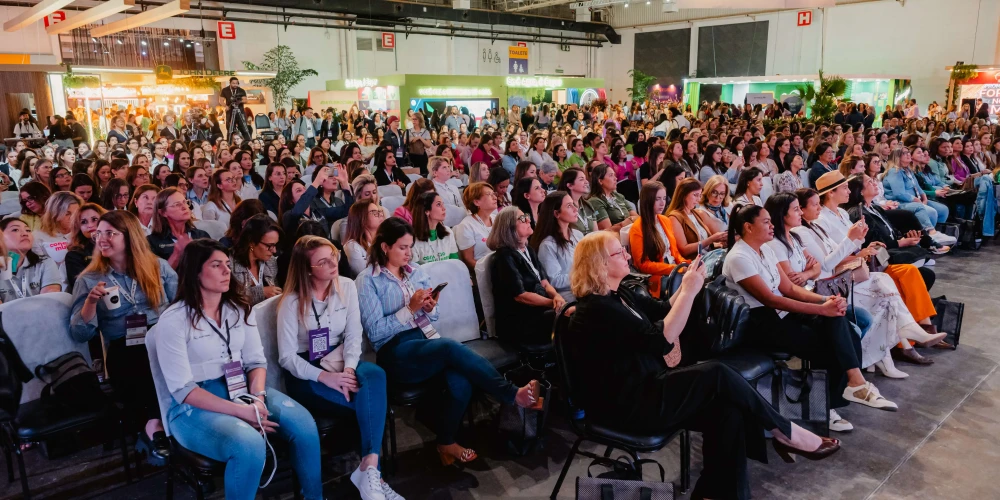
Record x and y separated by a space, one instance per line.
260 394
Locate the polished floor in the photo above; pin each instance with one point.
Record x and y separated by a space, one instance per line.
943 443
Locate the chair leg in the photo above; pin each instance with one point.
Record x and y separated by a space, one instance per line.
10 460
607 452
170 479
392 440
124 449
20 467
565 469
685 460
296 489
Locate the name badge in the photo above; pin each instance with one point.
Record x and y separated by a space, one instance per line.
135 329
236 381
425 325
319 343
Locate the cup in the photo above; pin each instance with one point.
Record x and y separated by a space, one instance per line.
112 300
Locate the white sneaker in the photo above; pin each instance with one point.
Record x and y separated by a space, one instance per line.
389 493
930 262
943 239
838 423
868 395
368 482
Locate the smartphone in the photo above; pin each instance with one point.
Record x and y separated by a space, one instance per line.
437 289
700 249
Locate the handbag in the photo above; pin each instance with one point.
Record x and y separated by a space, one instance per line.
521 428
623 481
843 279
334 360
949 318
799 396
71 382
880 261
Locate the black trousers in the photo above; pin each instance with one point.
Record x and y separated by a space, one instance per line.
827 342
132 380
903 220
419 162
713 399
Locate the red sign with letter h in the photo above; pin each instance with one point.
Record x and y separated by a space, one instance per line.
805 18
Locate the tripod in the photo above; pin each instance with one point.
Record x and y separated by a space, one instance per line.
236 121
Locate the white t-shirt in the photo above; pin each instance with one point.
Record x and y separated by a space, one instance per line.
796 258
435 249
472 233
54 247
743 262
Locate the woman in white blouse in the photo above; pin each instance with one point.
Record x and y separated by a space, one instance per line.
214 367
222 197
440 168
748 188
363 220
319 347
470 235
555 239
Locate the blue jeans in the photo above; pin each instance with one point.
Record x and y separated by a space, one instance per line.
929 215
228 439
368 404
410 358
860 318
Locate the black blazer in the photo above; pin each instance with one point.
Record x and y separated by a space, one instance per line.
382 179
616 355
882 230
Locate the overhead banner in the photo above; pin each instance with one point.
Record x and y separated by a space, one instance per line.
518 60
763 99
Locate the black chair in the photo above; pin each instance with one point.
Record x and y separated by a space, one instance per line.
604 435
36 422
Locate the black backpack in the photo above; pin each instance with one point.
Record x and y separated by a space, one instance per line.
71 383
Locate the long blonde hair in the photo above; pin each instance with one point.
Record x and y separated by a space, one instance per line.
589 274
55 207
142 264
300 268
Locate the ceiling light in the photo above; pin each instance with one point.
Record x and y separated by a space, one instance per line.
166 44
119 41
626 5
143 43
143 53
92 39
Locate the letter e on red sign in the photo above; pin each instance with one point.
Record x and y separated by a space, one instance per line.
805 17
522 44
227 30
54 18
389 40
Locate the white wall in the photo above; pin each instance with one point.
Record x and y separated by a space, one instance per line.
917 40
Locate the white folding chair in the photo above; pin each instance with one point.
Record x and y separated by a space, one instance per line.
413 177
338 230
453 215
389 190
10 206
455 182
391 203
623 236
767 190
457 318
265 316
215 229
485 283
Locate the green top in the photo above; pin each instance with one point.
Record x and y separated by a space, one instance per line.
571 161
616 208
588 217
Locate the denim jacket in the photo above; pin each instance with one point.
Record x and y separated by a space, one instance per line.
900 185
383 302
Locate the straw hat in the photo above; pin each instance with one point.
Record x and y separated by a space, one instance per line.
829 181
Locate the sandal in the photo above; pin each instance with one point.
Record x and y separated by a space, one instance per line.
468 455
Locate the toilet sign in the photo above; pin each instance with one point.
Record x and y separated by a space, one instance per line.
805 18
54 18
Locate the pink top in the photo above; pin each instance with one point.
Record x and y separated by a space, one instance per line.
403 213
623 171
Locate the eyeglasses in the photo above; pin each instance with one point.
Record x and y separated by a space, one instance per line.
377 213
271 247
121 195
109 234
26 199
178 204
616 254
523 218
327 263
717 194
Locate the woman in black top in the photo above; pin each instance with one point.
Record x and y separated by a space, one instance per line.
635 341
525 302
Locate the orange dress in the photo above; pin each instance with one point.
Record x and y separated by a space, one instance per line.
653 265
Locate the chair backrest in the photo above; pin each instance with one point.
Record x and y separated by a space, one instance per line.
413 177
260 121
338 230
163 396
453 215
39 329
623 236
391 203
455 182
9 195
457 310
389 190
485 283
10 206
563 359
672 282
265 316
215 229
767 189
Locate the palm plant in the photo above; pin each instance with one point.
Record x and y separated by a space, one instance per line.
280 60
823 98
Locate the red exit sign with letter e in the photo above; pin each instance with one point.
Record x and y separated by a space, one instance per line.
227 30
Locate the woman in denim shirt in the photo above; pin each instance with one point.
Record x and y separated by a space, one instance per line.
145 285
397 308
901 185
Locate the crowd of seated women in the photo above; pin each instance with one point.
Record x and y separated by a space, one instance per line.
563 217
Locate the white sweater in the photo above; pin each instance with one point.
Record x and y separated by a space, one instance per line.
341 315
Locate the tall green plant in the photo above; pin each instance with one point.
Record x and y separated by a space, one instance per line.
823 98
280 60
641 84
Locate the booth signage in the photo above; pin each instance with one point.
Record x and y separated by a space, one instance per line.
227 30
164 73
357 83
453 92
762 98
534 82
205 72
518 60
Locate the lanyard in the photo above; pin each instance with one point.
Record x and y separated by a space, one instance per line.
225 339
24 285
130 295
260 270
892 234
313 304
527 258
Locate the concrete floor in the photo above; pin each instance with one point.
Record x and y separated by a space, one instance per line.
943 443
